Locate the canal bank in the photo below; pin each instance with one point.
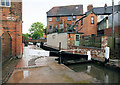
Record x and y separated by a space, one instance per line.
101 71
44 69
112 64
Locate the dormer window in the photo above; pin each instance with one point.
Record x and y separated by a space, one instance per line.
76 7
5 3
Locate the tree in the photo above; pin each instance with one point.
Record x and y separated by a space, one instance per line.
37 29
26 36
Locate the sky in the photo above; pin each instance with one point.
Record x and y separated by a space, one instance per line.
35 10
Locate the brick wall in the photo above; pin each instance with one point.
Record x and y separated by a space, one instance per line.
12 24
95 52
63 19
108 31
87 27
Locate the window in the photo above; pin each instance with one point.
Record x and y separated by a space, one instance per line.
50 26
74 17
50 19
77 38
92 20
61 26
81 21
57 18
5 3
69 18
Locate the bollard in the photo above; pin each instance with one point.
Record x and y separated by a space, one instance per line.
89 55
59 45
60 58
107 52
41 45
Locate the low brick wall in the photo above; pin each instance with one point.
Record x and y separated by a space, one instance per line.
95 52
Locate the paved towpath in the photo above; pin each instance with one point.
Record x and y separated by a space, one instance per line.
34 68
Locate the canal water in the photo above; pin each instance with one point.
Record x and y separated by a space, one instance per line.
100 73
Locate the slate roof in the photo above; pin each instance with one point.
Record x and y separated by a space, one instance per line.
104 10
66 10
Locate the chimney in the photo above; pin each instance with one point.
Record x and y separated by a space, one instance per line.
89 7
105 5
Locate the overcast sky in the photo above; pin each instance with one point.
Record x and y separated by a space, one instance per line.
35 10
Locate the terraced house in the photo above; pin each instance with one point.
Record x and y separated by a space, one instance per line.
11 28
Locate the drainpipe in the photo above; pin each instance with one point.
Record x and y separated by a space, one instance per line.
15 40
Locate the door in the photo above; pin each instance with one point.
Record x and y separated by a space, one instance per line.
6 46
77 39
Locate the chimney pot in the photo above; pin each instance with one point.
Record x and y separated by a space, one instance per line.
89 7
105 5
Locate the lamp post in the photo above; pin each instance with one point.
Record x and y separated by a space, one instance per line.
113 36
112 17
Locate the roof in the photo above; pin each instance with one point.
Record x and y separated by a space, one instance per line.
104 10
66 10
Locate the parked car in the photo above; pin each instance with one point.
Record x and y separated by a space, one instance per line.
30 43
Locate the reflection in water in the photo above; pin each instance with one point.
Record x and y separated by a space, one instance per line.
26 74
88 69
20 75
101 73
106 78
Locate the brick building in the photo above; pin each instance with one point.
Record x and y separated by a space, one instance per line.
72 19
98 20
11 28
63 18
88 23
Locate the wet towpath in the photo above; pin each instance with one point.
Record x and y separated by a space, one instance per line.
37 67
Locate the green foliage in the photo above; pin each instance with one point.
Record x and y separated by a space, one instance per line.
36 30
26 36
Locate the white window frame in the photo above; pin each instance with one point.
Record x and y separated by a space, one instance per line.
5 4
61 26
92 20
69 18
50 19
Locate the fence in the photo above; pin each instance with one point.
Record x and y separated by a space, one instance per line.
90 41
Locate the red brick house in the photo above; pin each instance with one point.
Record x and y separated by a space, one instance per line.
88 22
11 28
62 18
